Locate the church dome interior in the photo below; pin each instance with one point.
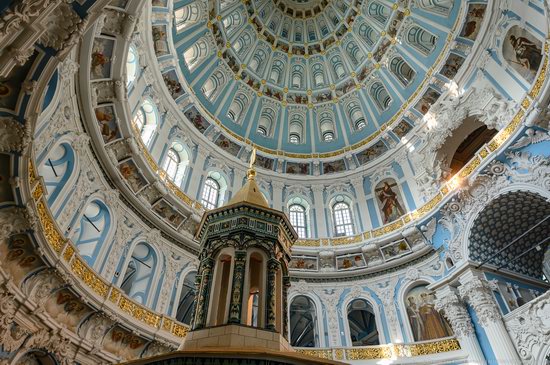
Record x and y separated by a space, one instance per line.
294 181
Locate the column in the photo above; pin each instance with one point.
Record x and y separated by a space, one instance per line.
235 308
457 314
286 286
357 184
478 294
319 206
271 297
203 293
277 194
193 190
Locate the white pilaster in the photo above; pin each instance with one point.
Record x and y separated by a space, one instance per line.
456 313
478 294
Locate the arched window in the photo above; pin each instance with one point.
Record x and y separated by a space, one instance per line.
421 40
131 65
296 129
186 303
303 323
214 85
378 12
257 63
297 75
267 119
326 122
362 324
402 71
436 6
196 54
356 115
186 16
145 121
92 230
380 96
233 21
318 74
354 52
343 221
139 272
243 43
338 67
368 34
298 219
238 107
175 163
210 193
56 170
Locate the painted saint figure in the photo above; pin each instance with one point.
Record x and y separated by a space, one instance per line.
390 206
528 54
426 322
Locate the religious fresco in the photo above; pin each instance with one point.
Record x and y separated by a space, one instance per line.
305 263
165 210
473 22
10 86
523 52
334 166
395 249
264 162
107 123
297 168
130 172
389 200
347 262
372 152
427 100
160 40
102 56
19 257
452 65
402 129
426 322
227 145
66 309
172 83
197 119
123 343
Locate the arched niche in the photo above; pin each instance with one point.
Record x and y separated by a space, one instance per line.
462 145
186 301
138 277
424 321
361 318
303 322
58 169
254 298
92 231
221 289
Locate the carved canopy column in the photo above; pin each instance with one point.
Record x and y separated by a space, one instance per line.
235 308
203 283
478 294
457 314
271 298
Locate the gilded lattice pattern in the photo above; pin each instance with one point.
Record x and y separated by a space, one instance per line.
385 351
53 237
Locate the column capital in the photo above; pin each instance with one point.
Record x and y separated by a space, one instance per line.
455 311
479 294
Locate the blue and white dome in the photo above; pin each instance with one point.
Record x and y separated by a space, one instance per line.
310 79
